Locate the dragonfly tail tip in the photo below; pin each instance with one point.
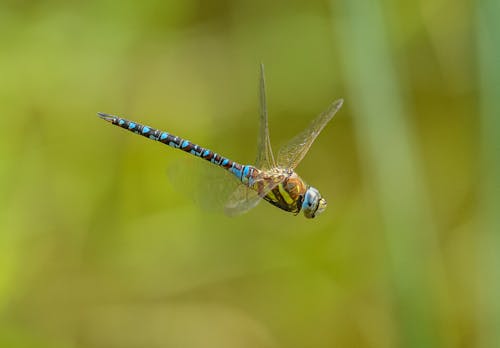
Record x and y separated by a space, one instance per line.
106 117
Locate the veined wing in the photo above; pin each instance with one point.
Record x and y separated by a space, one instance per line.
265 157
245 198
242 200
293 152
200 183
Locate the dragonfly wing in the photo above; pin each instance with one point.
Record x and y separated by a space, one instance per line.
242 200
200 183
245 198
293 152
265 157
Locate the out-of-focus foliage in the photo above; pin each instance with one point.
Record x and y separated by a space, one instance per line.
98 248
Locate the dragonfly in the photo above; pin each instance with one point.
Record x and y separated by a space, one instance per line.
270 179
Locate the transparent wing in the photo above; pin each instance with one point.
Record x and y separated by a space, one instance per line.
244 198
265 157
201 183
293 152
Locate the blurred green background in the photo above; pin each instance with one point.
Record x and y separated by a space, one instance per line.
98 248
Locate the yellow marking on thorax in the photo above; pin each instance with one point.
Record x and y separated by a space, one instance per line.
285 194
271 195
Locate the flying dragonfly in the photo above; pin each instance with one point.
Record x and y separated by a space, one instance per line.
272 180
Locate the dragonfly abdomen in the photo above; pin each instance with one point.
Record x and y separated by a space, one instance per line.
244 173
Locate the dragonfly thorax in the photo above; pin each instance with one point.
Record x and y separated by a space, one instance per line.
289 193
293 195
313 204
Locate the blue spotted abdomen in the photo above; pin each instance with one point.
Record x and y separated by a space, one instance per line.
244 173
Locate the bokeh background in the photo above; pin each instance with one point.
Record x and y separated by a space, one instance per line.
100 248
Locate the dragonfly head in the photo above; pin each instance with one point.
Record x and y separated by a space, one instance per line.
313 203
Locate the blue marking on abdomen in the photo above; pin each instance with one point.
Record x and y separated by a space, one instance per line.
244 177
237 172
236 169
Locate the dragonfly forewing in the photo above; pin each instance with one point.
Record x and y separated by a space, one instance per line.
265 157
290 155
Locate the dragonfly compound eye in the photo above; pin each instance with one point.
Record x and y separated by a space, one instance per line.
313 203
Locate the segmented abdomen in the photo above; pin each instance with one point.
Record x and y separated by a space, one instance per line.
244 173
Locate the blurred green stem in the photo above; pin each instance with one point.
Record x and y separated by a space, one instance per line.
488 37
392 169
